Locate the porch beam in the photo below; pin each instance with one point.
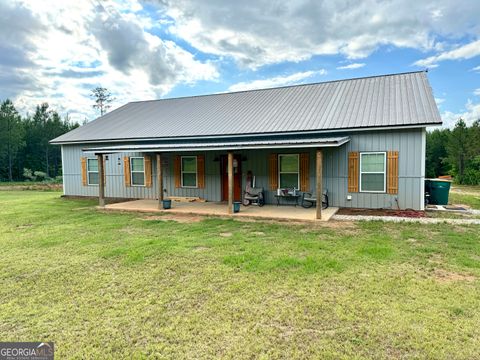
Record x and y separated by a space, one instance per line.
319 183
159 180
230 182
101 181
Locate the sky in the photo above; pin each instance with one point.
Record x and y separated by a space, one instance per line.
58 51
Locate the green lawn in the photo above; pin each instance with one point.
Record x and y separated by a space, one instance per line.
465 195
111 285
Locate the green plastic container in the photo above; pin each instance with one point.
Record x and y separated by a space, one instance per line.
236 206
167 204
438 190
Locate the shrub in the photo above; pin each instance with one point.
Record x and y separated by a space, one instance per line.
28 174
40 175
471 177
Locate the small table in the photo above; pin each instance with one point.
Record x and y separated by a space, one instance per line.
288 198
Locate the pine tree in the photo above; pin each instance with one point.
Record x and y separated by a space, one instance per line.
103 98
11 135
458 148
436 156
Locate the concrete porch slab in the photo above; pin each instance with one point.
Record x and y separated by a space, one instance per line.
297 213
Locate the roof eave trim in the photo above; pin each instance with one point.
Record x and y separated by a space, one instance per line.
233 136
111 150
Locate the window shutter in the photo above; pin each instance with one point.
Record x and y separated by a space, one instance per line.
392 172
126 170
353 171
304 172
84 171
148 171
177 170
201 171
273 171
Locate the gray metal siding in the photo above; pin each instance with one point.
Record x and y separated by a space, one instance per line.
411 147
409 143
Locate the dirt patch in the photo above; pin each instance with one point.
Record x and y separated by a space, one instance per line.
24 226
435 259
248 219
201 248
348 226
226 234
174 217
32 187
475 257
444 276
129 230
381 212
258 233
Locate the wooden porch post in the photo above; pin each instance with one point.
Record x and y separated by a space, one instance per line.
319 179
159 181
230 182
101 181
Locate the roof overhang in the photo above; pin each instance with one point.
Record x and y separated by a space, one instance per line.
250 135
225 146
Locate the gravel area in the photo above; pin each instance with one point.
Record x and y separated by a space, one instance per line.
405 219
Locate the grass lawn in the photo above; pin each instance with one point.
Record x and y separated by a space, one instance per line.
112 285
466 195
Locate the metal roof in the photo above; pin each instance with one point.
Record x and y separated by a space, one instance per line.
229 145
372 102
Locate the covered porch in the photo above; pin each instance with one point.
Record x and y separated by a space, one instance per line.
266 153
288 213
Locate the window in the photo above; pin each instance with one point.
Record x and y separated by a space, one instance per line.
92 171
288 171
189 171
372 172
137 166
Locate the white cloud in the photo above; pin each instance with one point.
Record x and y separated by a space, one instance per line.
467 51
255 33
471 114
476 68
277 81
58 51
439 101
351 66
129 48
476 92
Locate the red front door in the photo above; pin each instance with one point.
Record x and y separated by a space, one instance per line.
237 177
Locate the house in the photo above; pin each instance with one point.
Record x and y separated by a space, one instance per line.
362 139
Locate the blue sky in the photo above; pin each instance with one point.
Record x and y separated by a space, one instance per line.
57 51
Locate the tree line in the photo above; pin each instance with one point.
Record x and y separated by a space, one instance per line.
25 152
455 152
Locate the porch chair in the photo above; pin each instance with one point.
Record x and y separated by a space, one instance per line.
309 199
254 196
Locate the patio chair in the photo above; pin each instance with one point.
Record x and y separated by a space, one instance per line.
309 199
254 196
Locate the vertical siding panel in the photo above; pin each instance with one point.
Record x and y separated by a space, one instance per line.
407 142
